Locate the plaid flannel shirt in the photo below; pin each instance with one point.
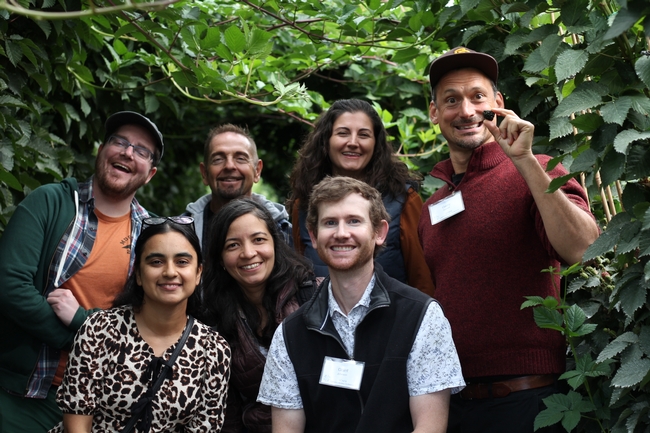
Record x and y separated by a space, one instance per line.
66 262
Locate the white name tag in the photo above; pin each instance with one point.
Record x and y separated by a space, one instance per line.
342 373
447 207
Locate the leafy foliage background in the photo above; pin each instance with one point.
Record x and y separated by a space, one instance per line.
578 69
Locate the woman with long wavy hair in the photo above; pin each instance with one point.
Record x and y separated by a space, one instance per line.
253 281
349 139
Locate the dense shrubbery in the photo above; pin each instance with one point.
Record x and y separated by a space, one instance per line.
578 69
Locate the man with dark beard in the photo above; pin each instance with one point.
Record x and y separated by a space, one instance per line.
487 236
367 353
230 167
65 252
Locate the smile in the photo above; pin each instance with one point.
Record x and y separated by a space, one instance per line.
344 248
121 167
251 266
351 154
471 126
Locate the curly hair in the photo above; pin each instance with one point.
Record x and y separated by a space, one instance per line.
223 296
133 293
385 171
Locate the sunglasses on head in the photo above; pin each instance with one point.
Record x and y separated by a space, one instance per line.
182 220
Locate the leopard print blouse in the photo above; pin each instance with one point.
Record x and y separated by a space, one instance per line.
104 377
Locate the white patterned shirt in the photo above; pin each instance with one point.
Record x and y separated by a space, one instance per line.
432 364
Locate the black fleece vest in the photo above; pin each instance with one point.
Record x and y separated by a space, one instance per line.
383 342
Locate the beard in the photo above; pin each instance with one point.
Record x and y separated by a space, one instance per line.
115 187
363 255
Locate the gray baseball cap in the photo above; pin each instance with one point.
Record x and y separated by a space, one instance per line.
115 121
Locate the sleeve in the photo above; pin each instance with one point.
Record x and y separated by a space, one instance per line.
84 373
279 387
433 363
22 246
417 271
210 412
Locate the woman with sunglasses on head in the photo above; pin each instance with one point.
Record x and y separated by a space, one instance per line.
253 280
349 139
145 363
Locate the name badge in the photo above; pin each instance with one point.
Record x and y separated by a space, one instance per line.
342 373
446 208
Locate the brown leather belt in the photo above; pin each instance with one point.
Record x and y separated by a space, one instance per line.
504 388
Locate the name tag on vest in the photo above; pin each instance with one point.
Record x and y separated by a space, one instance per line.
341 373
446 208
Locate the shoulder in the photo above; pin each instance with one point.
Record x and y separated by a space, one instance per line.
198 206
209 339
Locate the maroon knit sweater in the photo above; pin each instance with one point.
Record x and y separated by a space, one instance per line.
485 259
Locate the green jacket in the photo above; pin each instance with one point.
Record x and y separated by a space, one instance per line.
27 253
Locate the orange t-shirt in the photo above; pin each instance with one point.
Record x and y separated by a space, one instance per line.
105 272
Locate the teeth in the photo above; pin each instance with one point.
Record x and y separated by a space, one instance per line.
342 248
475 125
253 266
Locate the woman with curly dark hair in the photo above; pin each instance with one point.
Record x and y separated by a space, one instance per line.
253 280
349 139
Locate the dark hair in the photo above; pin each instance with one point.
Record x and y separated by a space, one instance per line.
335 189
222 129
385 171
224 298
133 294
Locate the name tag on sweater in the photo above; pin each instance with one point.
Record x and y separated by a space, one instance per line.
446 208
341 373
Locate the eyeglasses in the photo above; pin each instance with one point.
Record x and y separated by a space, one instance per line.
182 220
141 152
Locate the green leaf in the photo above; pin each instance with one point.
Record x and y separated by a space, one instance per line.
644 339
605 242
14 52
235 39
581 99
10 101
10 179
617 346
211 38
467 5
642 68
574 317
628 136
548 319
633 296
631 373
560 127
612 167
569 63
625 18
532 301
403 56
587 122
585 161
557 182
616 111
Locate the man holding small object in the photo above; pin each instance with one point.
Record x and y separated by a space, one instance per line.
487 236
366 353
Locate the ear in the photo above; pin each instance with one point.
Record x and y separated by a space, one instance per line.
381 233
499 100
433 113
199 271
258 171
204 173
151 173
313 236
138 279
